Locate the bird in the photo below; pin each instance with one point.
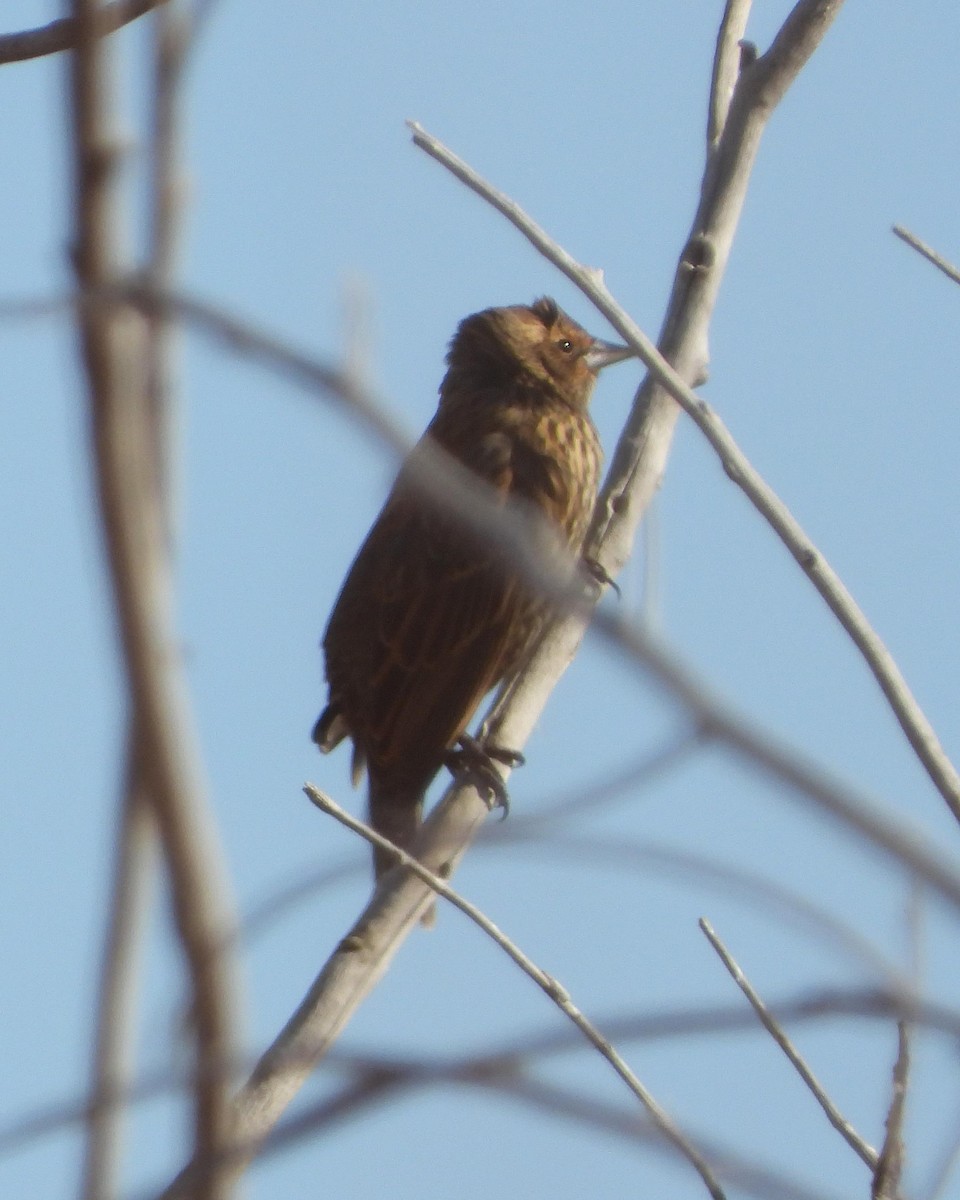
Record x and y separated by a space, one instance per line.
430 618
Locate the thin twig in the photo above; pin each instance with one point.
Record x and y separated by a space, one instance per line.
928 253
913 721
63 34
773 1027
598 792
886 1177
556 992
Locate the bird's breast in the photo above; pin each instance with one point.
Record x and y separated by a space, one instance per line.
556 465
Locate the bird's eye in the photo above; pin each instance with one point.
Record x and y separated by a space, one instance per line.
565 345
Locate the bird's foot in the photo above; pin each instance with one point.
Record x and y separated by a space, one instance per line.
474 763
600 575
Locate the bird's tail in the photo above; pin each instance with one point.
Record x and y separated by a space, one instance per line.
396 815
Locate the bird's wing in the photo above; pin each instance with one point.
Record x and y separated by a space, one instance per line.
427 622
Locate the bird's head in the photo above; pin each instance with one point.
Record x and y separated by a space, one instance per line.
535 344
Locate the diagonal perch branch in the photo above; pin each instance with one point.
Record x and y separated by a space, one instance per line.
641 478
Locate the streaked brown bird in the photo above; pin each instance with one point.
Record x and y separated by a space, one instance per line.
430 618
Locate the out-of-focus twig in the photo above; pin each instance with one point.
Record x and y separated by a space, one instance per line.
112 1068
530 1047
379 1083
63 34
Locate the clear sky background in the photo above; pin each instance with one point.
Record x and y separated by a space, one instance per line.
832 362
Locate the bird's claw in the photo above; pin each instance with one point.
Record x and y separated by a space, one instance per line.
475 763
601 576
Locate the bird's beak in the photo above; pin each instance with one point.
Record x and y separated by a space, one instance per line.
604 354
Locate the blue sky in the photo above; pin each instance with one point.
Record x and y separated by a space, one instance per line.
831 363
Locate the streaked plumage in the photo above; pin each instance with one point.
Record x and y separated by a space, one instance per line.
429 618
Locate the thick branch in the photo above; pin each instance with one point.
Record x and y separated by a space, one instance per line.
113 346
135 846
133 871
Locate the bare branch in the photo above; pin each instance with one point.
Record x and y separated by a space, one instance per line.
171 42
928 253
799 36
549 985
64 34
110 1087
554 990
115 1008
886 1178
773 1027
113 346
352 971
726 67
618 501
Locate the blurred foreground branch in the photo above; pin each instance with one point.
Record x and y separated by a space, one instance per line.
65 33
113 341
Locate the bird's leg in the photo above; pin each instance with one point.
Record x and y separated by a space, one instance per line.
475 763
